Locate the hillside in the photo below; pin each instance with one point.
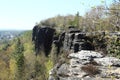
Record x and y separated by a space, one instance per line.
70 47
19 54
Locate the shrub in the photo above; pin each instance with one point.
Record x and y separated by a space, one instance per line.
113 47
90 69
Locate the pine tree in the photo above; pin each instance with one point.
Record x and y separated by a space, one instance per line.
18 58
75 22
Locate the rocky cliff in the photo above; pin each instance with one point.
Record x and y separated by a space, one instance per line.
84 63
42 37
73 39
87 65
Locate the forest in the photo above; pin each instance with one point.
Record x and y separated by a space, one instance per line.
17 56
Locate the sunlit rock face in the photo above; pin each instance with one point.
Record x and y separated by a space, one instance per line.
71 39
87 65
43 38
75 40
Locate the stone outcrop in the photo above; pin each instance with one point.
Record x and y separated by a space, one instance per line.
84 63
71 40
58 41
87 65
75 40
43 38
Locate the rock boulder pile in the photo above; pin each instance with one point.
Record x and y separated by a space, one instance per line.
87 65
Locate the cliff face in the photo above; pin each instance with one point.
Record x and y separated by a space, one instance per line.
72 39
84 63
43 38
77 40
87 65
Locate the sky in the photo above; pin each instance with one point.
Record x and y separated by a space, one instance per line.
24 14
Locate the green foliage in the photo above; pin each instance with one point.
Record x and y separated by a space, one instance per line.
102 18
114 47
59 22
75 22
4 70
18 57
49 65
42 67
100 42
40 71
53 54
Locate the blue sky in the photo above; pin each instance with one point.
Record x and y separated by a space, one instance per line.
23 14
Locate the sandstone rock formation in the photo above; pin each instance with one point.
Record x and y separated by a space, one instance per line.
87 65
75 40
84 63
72 39
43 38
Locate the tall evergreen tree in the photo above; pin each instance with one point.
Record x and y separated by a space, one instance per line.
18 57
75 22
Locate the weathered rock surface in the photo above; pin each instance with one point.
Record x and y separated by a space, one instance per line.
85 55
43 38
75 40
108 61
87 65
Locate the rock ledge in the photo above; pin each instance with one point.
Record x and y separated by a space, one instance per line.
87 65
